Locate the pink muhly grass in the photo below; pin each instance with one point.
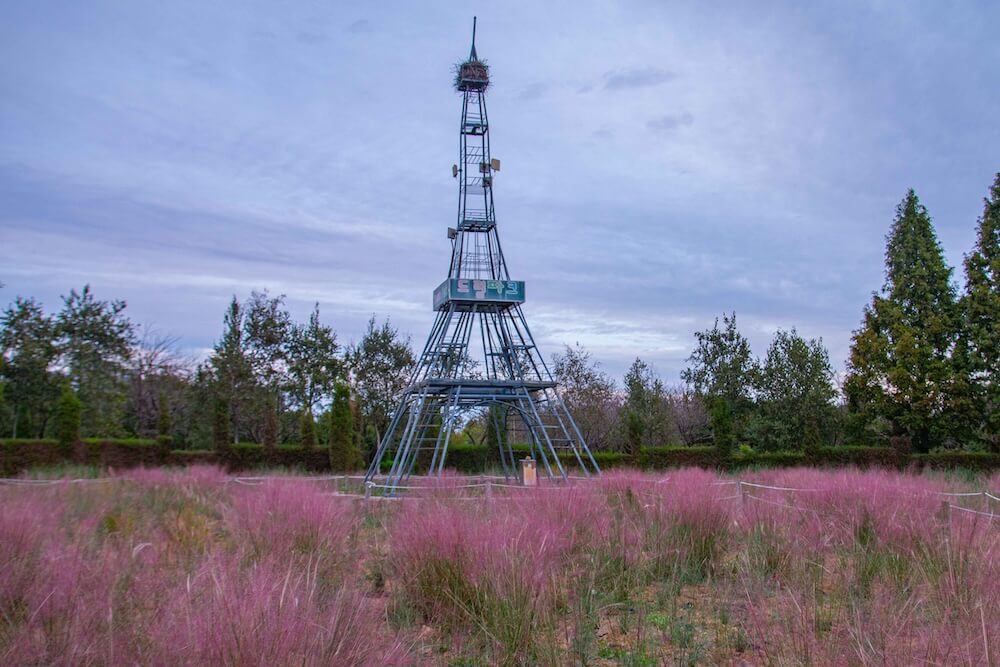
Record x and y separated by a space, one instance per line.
273 612
199 476
292 516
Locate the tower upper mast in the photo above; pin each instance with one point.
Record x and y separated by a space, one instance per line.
476 251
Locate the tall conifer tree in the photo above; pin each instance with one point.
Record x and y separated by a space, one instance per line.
900 368
344 455
980 341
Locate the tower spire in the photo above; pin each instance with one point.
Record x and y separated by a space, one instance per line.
472 53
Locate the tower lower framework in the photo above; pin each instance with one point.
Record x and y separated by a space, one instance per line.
513 390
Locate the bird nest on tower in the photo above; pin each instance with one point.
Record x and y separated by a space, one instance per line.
472 75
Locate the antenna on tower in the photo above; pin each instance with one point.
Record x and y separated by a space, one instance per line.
472 53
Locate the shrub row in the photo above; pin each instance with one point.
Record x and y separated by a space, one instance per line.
18 455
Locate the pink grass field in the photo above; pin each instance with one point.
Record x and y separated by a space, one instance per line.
167 567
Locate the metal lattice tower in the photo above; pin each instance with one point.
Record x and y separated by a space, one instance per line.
480 357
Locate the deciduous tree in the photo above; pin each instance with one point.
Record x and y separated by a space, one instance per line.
589 394
794 392
722 368
380 366
95 343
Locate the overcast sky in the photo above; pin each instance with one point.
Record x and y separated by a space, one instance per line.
662 162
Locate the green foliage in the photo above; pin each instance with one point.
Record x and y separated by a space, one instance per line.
380 367
67 416
659 458
496 431
231 373
344 455
95 341
163 421
220 425
307 429
900 367
28 351
634 429
979 343
980 461
313 362
645 418
22 454
369 443
723 432
794 390
811 438
722 368
269 430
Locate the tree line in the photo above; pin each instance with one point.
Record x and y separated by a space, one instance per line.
268 380
924 372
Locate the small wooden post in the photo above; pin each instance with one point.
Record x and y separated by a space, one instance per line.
739 492
946 521
368 493
489 491
529 476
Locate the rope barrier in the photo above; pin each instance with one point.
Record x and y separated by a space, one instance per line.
771 502
487 484
775 488
966 509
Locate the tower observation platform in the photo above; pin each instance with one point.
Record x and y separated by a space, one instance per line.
480 360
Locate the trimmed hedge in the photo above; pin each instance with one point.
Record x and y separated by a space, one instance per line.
246 456
21 454
658 458
978 461
769 460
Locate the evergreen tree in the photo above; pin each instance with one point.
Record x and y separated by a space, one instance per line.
67 416
27 353
231 371
900 368
163 422
980 341
370 443
344 455
645 416
221 437
307 432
